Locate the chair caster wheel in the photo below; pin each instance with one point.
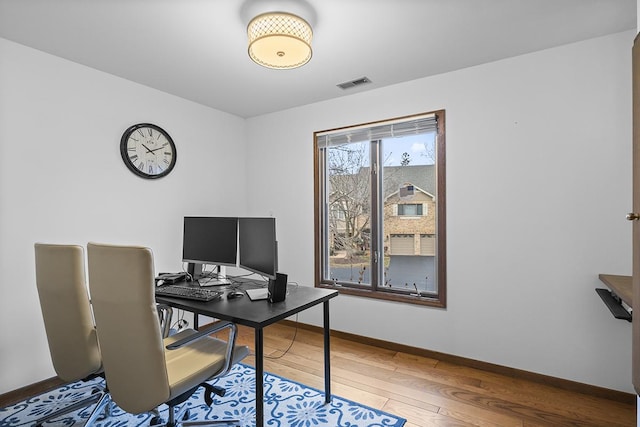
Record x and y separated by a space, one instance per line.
155 421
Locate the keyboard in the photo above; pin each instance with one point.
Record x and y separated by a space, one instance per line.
193 293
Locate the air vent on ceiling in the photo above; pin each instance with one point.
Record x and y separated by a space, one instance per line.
354 83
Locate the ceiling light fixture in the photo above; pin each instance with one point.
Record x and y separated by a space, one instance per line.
279 40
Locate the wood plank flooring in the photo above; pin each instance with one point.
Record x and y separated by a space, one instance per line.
426 391
429 392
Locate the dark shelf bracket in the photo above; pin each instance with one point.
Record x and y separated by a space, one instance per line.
613 303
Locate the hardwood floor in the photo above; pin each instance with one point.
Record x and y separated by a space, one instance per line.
429 392
426 391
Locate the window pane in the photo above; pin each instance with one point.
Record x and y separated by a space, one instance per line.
349 222
409 215
380 221
410 209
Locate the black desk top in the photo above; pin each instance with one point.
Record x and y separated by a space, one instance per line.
256 314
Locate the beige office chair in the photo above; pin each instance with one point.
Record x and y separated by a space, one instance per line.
60 280
144 370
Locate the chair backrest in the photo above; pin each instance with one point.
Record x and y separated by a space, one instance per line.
121 281
66 310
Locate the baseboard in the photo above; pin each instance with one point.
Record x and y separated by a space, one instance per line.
20 394
591 390
25 392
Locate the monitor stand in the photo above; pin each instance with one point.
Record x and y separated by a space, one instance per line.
219 281
222 277
194 270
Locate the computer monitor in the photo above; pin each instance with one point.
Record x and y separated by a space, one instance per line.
209 240
258 246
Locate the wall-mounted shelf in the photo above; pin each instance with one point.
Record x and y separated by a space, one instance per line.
619 292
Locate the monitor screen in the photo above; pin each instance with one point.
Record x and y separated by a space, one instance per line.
210 240
258 246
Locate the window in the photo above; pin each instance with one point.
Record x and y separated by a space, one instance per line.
410 209
380 209
337 213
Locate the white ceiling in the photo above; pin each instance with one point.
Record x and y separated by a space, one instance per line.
197 49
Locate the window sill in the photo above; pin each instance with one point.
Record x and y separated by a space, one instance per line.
387 296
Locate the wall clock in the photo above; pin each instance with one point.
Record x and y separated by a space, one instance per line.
148 151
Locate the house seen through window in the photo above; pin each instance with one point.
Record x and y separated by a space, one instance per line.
410 209
380 209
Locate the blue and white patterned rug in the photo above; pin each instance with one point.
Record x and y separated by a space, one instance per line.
287 404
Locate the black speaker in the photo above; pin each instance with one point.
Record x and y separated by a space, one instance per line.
278 288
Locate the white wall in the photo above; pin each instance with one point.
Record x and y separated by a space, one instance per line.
538 164
62 181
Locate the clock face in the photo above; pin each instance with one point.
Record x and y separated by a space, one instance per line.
148 151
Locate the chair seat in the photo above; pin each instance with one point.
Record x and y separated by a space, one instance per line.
185 364
194 363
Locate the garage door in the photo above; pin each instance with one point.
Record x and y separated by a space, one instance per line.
428 244
402 244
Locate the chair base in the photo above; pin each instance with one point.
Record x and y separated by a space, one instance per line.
102 398
183 413
230 423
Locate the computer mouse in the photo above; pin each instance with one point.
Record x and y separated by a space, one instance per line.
235 294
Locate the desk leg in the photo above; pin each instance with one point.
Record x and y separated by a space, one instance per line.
327 355
259 341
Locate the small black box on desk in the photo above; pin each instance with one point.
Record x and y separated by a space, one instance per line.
278 288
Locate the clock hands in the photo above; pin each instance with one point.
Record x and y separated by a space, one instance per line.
147 148
152 151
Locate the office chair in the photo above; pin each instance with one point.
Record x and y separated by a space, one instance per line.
64 302
144 370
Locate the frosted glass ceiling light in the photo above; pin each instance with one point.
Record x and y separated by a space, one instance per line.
279 40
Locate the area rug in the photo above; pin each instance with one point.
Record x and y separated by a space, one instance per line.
287 404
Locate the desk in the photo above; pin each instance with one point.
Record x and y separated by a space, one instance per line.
619 285
621 290
259 314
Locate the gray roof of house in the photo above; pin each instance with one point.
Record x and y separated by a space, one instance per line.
421 176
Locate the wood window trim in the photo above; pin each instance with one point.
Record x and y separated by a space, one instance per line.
440 301
382 295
